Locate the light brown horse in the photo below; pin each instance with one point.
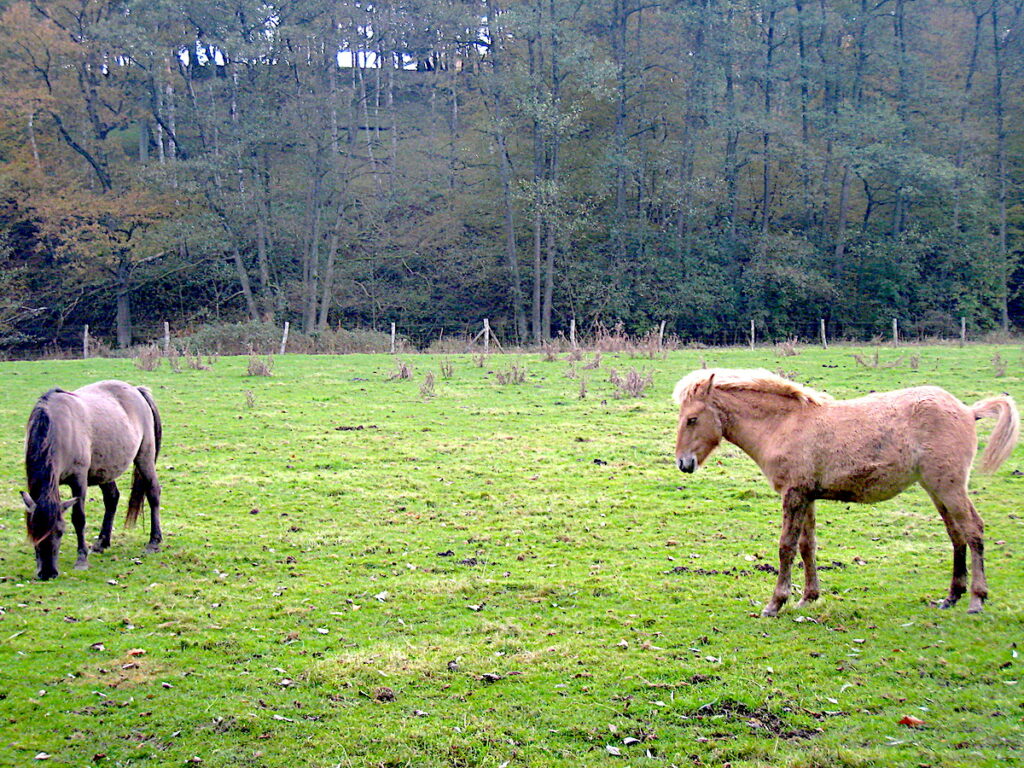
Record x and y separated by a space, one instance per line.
811 447
82 438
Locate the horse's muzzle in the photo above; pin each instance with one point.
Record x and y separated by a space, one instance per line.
687 464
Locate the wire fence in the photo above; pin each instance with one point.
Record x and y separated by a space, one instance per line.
487 336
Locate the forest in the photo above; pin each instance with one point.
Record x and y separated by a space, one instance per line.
620 163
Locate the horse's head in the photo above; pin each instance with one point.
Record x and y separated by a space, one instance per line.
44 519
700 423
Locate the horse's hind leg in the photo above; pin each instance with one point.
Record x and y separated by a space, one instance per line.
965 529
145 484
110 498
808 547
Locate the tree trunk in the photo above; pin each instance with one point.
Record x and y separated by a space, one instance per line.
961 140
538 193
805 138
124 306
732 131
902 90
1001 181
692 124
621 61
553 179
766 171
844 193
505 173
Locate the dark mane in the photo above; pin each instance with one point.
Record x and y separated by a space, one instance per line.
38 443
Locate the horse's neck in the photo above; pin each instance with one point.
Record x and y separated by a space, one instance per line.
750 419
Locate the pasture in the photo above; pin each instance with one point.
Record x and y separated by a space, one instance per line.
356 574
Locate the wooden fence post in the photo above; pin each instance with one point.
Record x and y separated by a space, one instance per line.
661 336
572 332
487 335
392 338
751 334
824 338
85 342
963 331
284 338
895 332
167 338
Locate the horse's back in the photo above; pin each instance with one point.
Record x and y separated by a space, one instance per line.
118 425
872 447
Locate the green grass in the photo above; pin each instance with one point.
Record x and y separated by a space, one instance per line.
315 602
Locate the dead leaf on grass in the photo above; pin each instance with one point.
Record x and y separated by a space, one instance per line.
911 722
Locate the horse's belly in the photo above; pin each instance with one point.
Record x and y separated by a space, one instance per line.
111 457
868 486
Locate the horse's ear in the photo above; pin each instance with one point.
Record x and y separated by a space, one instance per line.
29 504
705 391
69 503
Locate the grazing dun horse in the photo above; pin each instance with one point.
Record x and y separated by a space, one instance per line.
811 447
82 438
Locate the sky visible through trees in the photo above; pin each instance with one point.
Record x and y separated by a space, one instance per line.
435 162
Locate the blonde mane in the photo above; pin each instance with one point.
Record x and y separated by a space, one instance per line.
754 380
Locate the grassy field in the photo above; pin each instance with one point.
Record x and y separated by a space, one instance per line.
355 574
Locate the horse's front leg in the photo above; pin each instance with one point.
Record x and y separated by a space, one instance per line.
808 553
795 504
79 487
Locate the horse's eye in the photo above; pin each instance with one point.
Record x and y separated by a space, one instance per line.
691 421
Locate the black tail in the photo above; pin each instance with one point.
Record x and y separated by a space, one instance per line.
138 484
158 427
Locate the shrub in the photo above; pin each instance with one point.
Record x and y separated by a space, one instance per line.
260 366
633 384
514 374
787 348
147 358
402 371
427 387
265 338
998 365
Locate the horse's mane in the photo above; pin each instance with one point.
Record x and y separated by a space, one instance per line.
37 441
38 466
754 380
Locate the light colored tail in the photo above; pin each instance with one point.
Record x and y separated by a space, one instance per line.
1007 430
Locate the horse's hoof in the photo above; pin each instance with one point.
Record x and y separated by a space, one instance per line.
81 565
99 546
153 546
769 613
945 604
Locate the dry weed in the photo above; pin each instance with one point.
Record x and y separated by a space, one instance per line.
427 387
148 358
514 374
402 371
632 384
260 366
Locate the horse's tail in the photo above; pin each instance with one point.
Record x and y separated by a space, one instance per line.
158 427
135 500
1006 433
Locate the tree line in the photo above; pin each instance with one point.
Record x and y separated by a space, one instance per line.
433 162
